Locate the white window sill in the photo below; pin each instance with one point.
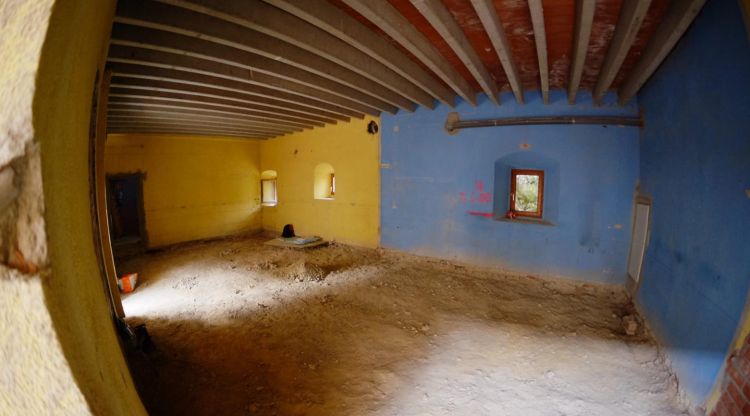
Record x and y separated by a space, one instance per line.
269 204
324 199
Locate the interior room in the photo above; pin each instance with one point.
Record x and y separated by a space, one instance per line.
384 207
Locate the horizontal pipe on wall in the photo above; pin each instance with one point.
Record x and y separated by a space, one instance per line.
453 123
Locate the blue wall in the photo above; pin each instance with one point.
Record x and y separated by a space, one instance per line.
439 193
695 164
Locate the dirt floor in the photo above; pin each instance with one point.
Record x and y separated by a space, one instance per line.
245 329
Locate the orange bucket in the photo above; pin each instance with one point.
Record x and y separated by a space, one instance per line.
127 282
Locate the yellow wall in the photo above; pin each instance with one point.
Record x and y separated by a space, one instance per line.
353 217
195 187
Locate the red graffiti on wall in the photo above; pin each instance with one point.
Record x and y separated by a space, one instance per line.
477 196
480 214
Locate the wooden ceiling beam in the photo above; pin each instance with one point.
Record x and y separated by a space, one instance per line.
184 131
185 54
189 103
583 23
223 102
204 26
190 126
171 119
441 19
632 14
540 39
491 21
205 56
191 78
264 18
203 91
164 122
197 115
395 25
333 20
193 125
127 104
677 19
148 109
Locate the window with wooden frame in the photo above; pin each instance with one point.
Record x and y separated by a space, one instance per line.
526 193
268 195
268 189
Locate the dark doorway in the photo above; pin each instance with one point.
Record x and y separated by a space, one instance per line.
125 211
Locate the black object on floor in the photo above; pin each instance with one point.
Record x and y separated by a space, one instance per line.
288 231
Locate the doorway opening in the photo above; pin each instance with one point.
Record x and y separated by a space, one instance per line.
125 214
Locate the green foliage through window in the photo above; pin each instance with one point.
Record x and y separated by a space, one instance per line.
527 193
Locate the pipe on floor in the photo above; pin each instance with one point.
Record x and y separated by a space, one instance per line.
453 123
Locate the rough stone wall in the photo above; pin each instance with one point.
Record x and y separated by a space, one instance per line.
35 377
40 372
24 26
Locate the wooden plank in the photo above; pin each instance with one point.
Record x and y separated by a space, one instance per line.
126 66
201 56
190 97
173 75
387 18
167 119
230 95
204 26
677 19
191 127
100 196
182 131
491 21
442 20
194 115
540 39
628 25
188 103
167 126
584 21
333 20
118 104
264 18
127 109
186 120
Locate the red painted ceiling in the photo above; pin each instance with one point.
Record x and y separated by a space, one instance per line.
559 23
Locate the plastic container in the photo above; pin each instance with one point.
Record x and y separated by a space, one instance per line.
127 282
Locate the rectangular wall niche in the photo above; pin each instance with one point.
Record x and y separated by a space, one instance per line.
526 187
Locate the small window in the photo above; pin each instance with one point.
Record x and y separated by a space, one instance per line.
526 193
268 194
324 182
268 191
